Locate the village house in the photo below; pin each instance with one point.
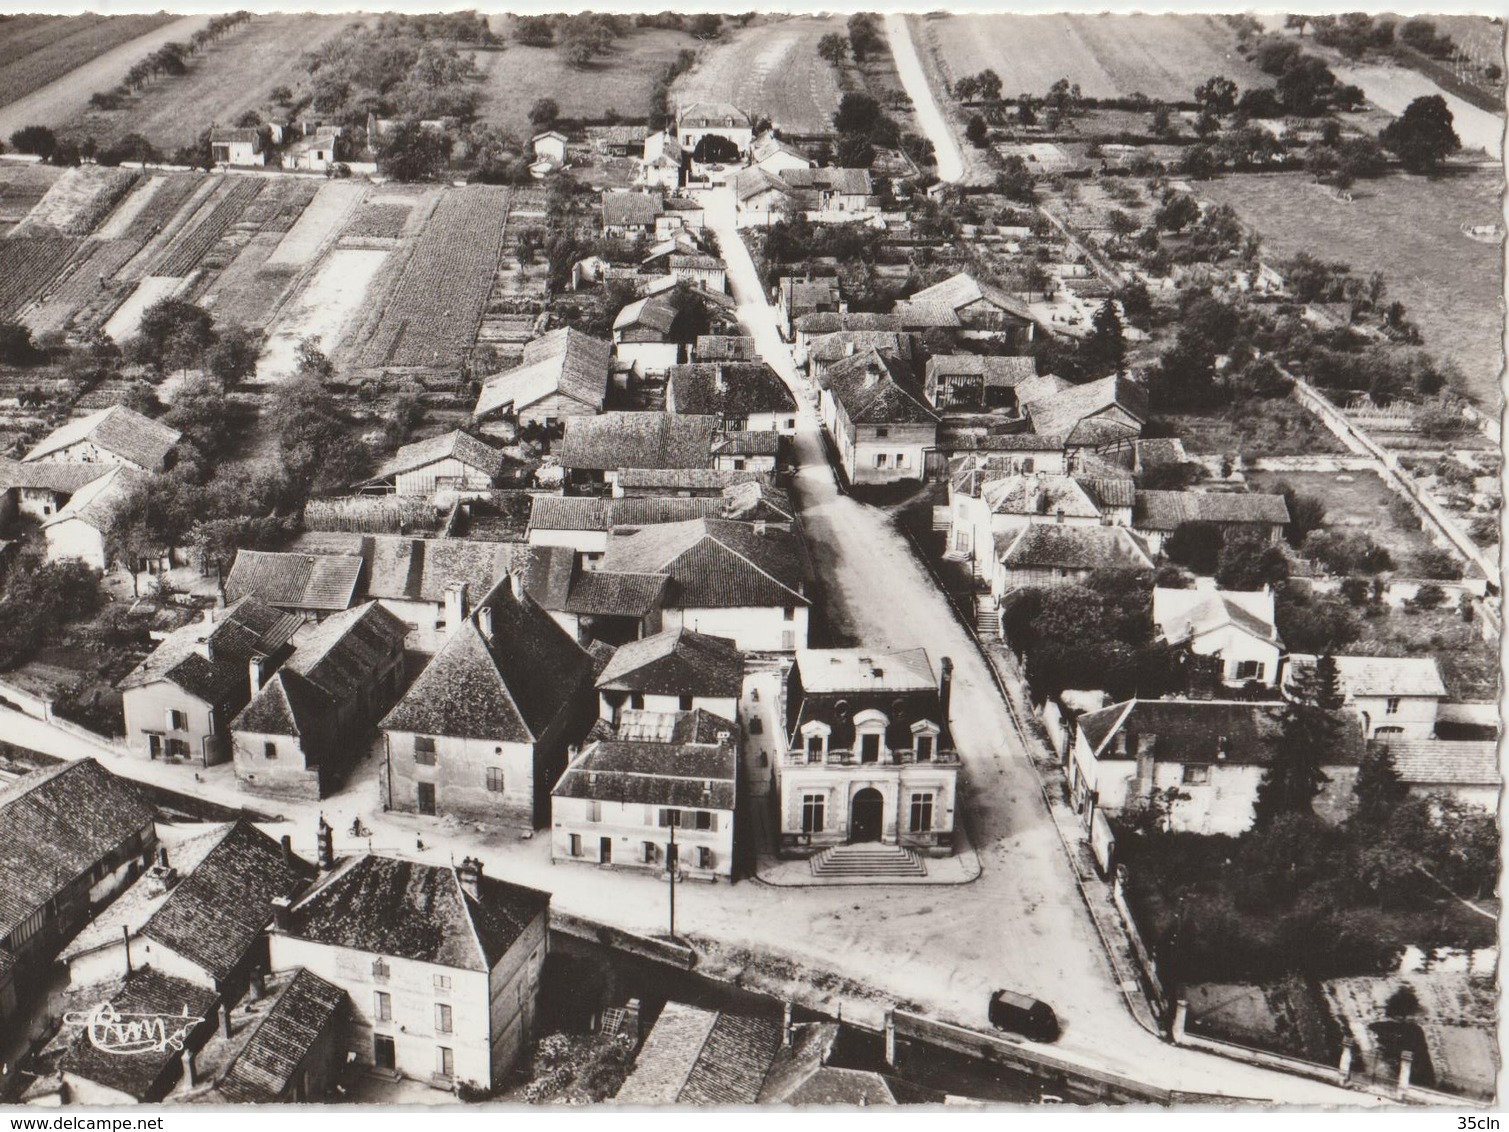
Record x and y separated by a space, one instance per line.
623 141
975 382
39 489
441 964
697 483
1398 697
677 670
980 509
315 153
595 449
761 199
81 528
312 584
1056 554
1464 769
832 194
697 268
549 146
564 373
627 214
823 351
483 732
644 335
878 420
983 308
1104 417
1158 514
870 757
743 581
179 702
1237 627
743 396
725 348
807 329
1203 759
747 451
619 799
680 214
116 435
75 837
440 468
308 723
582 522
795 297
197 914
663 165
591 603
699 120
237 146
771 154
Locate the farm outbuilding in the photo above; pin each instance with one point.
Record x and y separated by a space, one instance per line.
563 374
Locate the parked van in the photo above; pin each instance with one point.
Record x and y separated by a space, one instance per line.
1022 1015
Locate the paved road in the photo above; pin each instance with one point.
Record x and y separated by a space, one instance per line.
929 115
58 101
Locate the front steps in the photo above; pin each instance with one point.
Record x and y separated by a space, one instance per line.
868 859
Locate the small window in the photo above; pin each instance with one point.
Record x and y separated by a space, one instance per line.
814 748
495 779
669 818
1249 670
901 459
269 750
382 1006
636 701
1196 775
882 433
445 1061
442 1018
704 857
880 459
594 811
924 748
379 969
575 847
1392 707
813 806
424 750
789 613
649 852
178 720
442 983
756 726
706 820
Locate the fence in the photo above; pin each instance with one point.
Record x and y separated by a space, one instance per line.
646 947
1140 949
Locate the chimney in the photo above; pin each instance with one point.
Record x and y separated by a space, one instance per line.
469 873
281 909
258 985
325 841
485 621
786 1026
945 688
287 844
256 666
849 348
190 1070
225 1021
162 855
516 583
455 606
759 526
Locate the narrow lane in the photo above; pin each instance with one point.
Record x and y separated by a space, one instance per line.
929 115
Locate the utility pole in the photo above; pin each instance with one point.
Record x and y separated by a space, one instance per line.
670 867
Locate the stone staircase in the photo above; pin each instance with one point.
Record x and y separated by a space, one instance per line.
868 859
987 617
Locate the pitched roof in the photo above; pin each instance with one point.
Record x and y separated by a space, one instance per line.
689 479
767 146
630 208
714 563
1445 762
568 513
637 440
698 775
746 442
699 115
421 569
866 670
829 348
119 430
565 362
874 388
287 704
341 654
59 823
915 314
832 178
726 348
995 372
1382 675
647 510
751 182
1183 615
274 1051
1040 494
636 725
697 1056
97 502
677 662
1041 546
246 628
216 913
454 445
509 686
1068 409
1165 510
728 389
234 134
313 582
408 910
832 322
656 312
962 290
1198 731
58 476
624 135
607 593
756 499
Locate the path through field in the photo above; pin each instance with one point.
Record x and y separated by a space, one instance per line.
67 95
1394 88
127 318
924 104
771 69
323 309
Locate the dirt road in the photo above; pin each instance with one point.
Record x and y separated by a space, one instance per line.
929 115
67 95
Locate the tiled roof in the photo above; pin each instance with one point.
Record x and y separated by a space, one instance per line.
714 563
995 372
848 182
568 513
606 593
311 582
756 499
59 823
217 912
246 628
636 725
144 991
118 430
1159 451
873 388
1191 731
831 322
1443 762
630 208
1165 510
508 687
701 115
687 479
408 910
287 704
962 290
1066 410
750 183
225 134
729 389
275 1049
697 1056
454 445
401 568
1042 546
655 312
1012 442
648 510
1109 491
342 653
636 440
1183 615
565 362
49 475
624 135
914 314
655 774
97 502
726 348
747 443
767 146
1039 494
828 348
1381 675
677 662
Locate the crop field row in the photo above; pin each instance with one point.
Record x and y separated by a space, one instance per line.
375 220
28 264
280 204
86 285
432 317
185 253
247 291
21 187
35 51
77 201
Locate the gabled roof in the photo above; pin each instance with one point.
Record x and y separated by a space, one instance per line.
915 314
216 913
677 662
767 146
402 568
1199 731
697 1056
832 322
60 823
565 362
994 372
714 563
874 388
118 430
1166 510
746 442
849 182
1039 494
246 628
1069 409
99 500
1443 763
1186 615
274 1052
701 115
829 348
509 686
726 348
227 134
56 476
408 910
1045 546
607 593
621 209
963 290
454 445
287 704
750 183
568 513
698 775
728 389
1381 675
341 655
656 312
637 440
312 582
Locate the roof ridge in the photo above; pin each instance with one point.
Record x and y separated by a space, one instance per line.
466 910
739 554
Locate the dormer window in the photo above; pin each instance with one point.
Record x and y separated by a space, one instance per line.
925 740
869 735
815 737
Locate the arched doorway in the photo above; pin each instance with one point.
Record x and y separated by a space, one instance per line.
866 816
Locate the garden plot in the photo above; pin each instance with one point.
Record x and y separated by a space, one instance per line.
124 322
323 309
119 221
171 210
21 187
87 282
182 256
320 221
247 291
28 264
77 201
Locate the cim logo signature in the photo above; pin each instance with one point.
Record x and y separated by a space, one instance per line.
110 1031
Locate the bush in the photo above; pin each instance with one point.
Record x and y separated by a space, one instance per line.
1435 562
37 140
1429 596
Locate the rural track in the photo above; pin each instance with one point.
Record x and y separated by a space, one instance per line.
929 113
66 96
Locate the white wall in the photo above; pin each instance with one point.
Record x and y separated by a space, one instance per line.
752 628
630 826
74 538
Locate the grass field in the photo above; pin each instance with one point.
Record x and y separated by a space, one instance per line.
620 81
1256 428
36 50
1409 228
234 75
771 68
1356 501
1163 57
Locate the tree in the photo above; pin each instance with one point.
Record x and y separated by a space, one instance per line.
977 132
864 36
1305 86
833 49
1105 346
1178 211
1196 545
311 361
1423 136
1217 95
1297 20
1015 181
1248 561
17 347
233 358
705 25
173 334
1379 788
409 152
1310 738
1306 513
989 85
544 113
35 139
857 113
533 31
